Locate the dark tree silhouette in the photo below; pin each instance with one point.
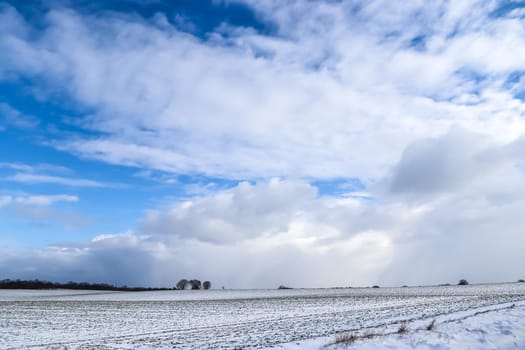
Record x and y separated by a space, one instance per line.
206 285
195 284
463 282
38 284
182 284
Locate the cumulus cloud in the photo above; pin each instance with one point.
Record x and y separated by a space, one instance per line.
229 216
278 230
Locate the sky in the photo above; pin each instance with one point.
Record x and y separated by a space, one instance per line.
262 143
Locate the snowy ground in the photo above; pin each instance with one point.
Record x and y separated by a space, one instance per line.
260 319
496 327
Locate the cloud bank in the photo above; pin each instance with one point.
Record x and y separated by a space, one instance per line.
263 234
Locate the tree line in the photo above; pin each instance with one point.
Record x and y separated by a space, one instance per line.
39 284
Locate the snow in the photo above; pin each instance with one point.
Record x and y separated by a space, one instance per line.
500 328
299 318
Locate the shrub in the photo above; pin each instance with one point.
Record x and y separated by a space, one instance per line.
346 338
431 326
350 338
403 329
463 282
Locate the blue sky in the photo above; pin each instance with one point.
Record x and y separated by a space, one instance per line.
188 138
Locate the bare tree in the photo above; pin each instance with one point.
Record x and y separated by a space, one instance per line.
206 285
182 284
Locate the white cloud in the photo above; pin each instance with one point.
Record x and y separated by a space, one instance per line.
5 200
48 174
50 179
243 212
338 93
36 200
41 211
10 117
35 167
45 200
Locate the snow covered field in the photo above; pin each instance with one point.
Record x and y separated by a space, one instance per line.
61 319
500 326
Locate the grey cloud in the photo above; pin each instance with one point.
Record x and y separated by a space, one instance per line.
464 236
128 259
125 263
444 164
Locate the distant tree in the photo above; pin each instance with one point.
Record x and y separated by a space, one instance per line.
463 282
375 286
521 281
195 284
182 284
206 285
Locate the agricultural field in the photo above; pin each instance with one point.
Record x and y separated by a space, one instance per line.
227 319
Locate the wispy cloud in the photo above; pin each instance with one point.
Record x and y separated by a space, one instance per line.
42 210
48 174
10 117
35 167
37 200
44 200
339 91
49 179
5 200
